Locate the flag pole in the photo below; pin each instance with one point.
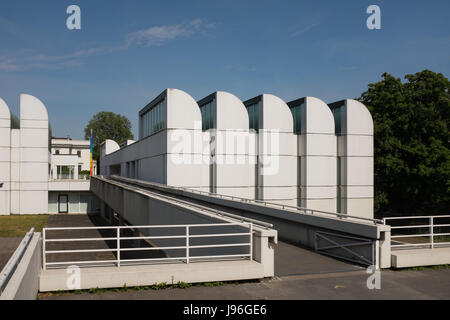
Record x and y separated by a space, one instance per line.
91 147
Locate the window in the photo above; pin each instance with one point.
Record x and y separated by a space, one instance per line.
153 119
79 153
297 116
65 172
56 151
337 120
253 116
208 115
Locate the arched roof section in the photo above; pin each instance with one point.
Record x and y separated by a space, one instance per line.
31 108
5 114
182 110
231 112
359 119
352 117
319 118
276 114
109 146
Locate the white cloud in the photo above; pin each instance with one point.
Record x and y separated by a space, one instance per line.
156 35
160 34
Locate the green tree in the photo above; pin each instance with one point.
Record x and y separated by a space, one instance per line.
411 141
107 125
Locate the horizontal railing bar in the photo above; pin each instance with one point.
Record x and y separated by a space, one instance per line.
153 248
412 235
407 227
79 239
436 244
219 235
220 245
81 262
153 237
219 256
79 228
80 250
149 237
151 259
155 226
421 226
417 217
420 235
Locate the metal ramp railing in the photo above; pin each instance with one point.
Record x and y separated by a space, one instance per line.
182 238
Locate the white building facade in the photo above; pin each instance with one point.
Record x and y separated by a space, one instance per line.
303 153
28 182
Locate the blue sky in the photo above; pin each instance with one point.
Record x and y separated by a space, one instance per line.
127 52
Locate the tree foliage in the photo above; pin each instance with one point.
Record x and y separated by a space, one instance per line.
412 156
108 125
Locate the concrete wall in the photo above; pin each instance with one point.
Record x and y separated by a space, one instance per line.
24 158
317 153
24 283
5 158
34 155
277 152
228 149
355 154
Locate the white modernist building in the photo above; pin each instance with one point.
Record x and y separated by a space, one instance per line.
29 182
303 153
70 159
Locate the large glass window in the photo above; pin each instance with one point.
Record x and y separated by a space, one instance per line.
153 119
65 172
337 119
208 115
253 116
297 116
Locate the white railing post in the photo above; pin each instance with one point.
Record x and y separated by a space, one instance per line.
118 246
44 265
431 232
251 241
187 244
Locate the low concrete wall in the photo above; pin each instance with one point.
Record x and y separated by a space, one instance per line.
24 283
407 258
145 275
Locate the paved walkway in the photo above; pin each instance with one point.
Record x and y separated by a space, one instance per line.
426 284
91 221
300 274
7 247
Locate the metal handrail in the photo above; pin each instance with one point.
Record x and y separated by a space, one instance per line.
187 258
12 263
259 202
431 234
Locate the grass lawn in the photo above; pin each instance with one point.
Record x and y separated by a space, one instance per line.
19 225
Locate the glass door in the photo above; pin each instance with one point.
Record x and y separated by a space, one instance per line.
63 204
